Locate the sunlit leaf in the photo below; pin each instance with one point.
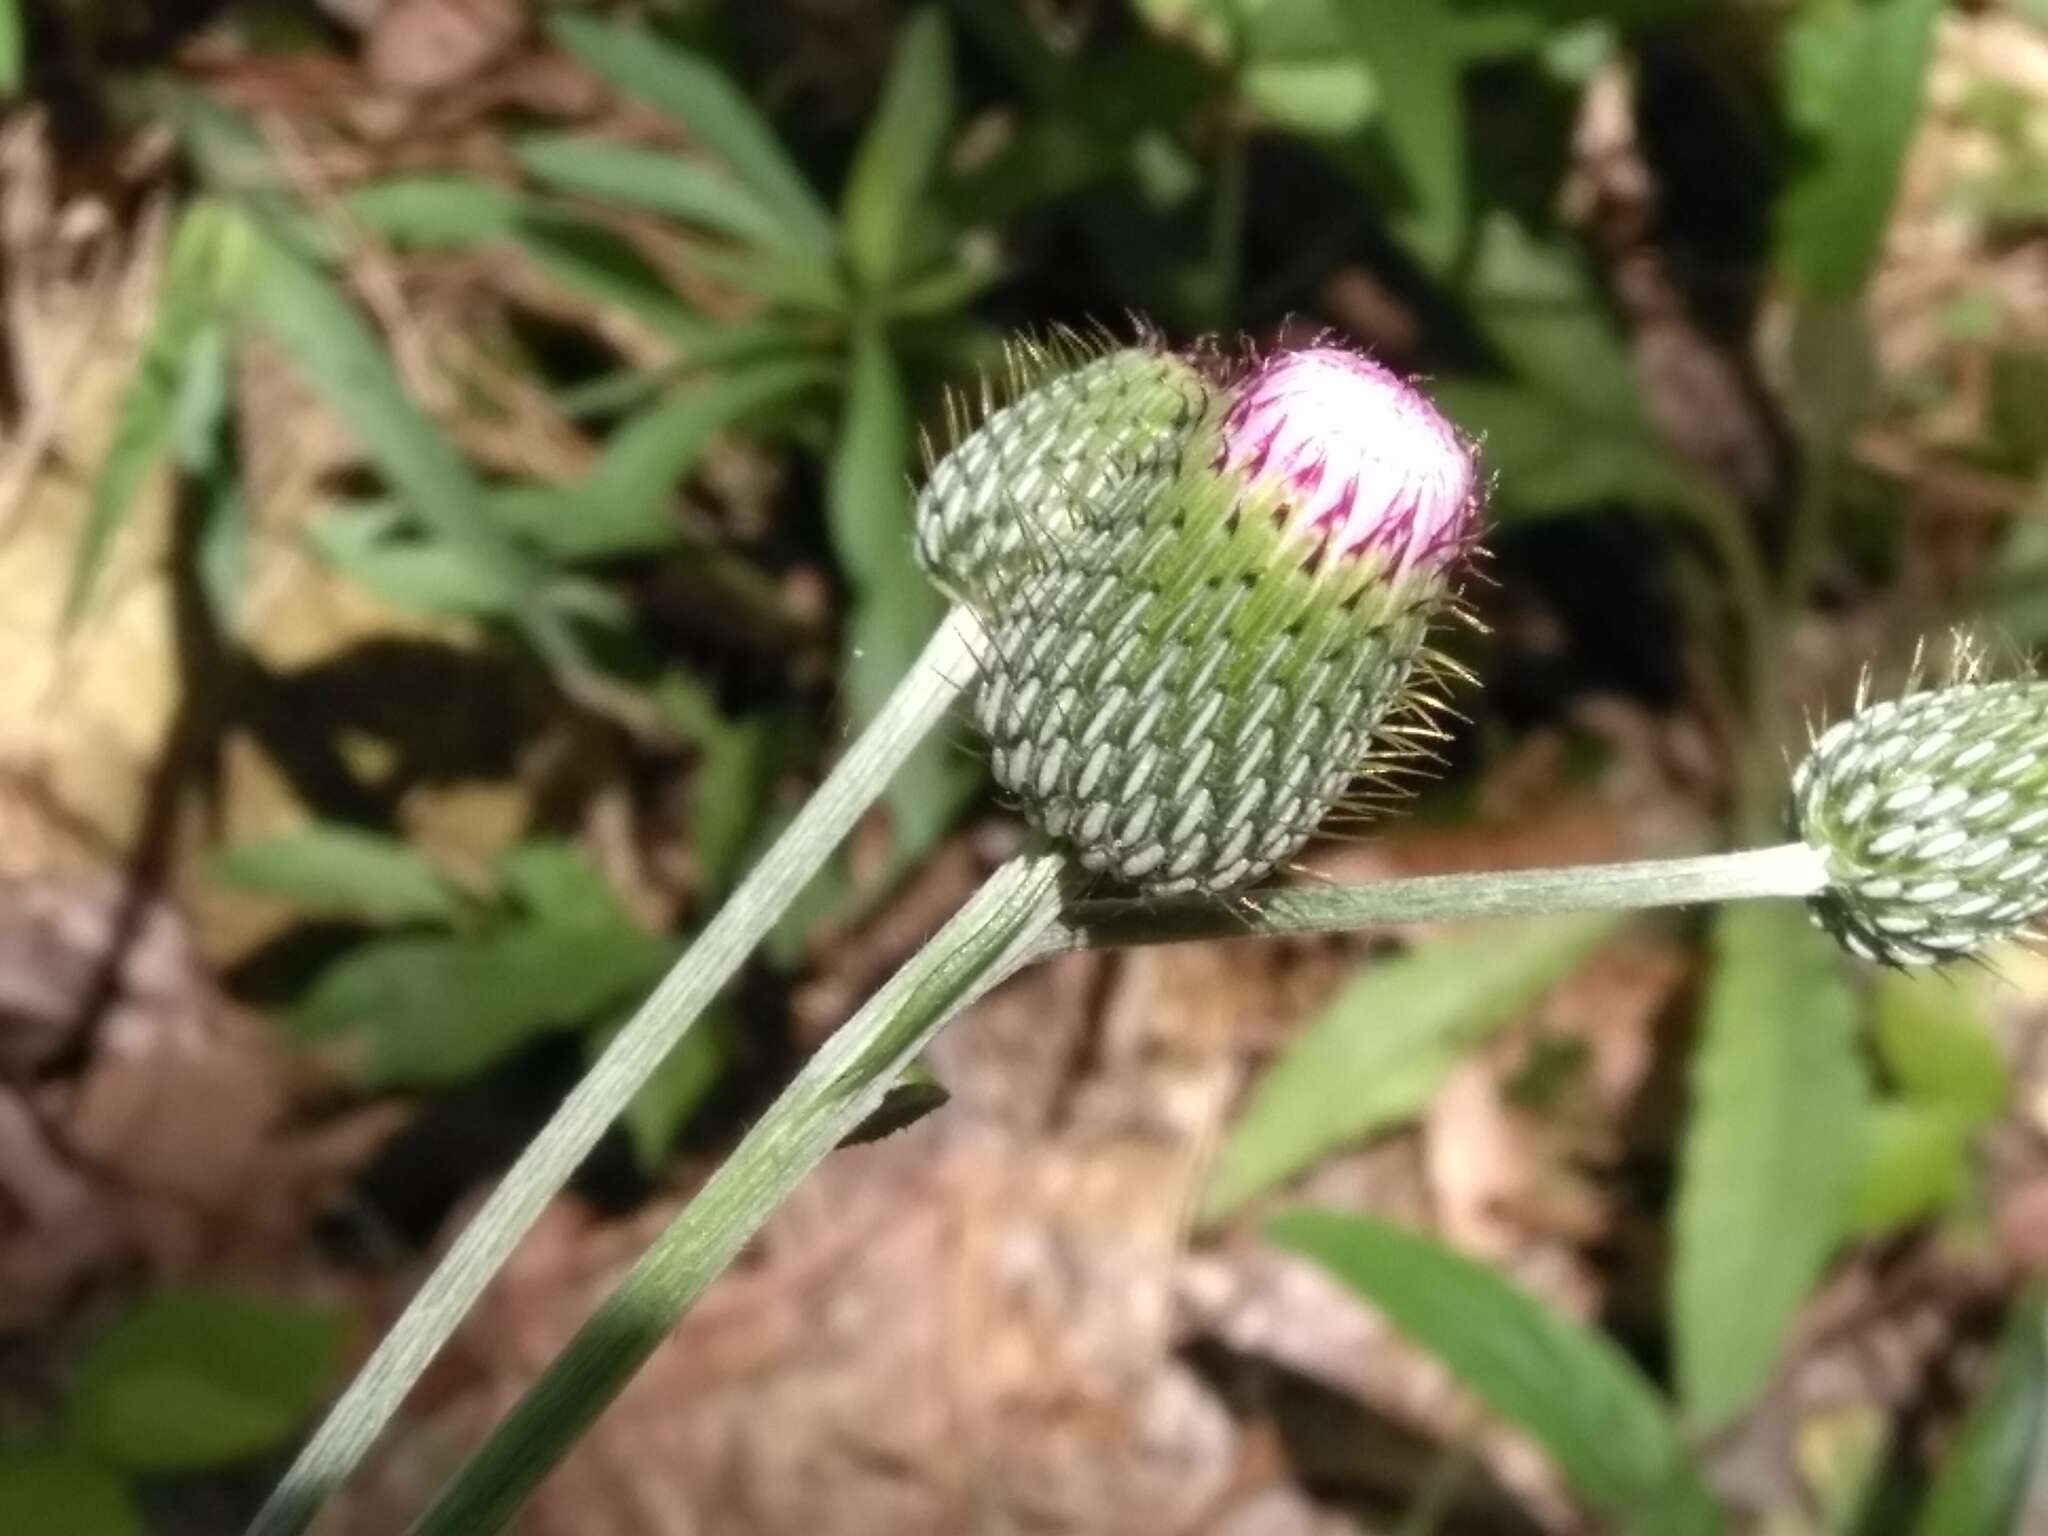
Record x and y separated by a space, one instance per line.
895 608
57 1491
331 347
12 49
656 180
703 99
1855 77
379 549
1932 1031
599 266
424 1010
1412 46
187 303
1383 1046
1568 1389
1769 1152
898 154
436 212
1983 1489
341 870
193 1379
1913 1161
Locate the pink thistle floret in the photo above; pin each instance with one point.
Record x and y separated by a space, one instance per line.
1364 462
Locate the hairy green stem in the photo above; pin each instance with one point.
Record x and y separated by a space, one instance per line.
949 664
1789 869
840 1086
1016 918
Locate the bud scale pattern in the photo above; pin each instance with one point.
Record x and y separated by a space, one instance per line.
1931 812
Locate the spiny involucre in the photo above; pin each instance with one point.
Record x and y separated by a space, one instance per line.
1931 814
1195 672
1082 430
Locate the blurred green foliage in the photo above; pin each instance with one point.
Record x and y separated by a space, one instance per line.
185 1381
1010 170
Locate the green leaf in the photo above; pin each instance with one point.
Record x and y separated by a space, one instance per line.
895 609
376 547
427 1010
329 868
1412 46
663 1106
1383 1046
555 883
193 1379
1568 1389
1932 1033
625 505
655 180
1548 455
700 97
1768 1154
729 791
1983 1489
1856 74
1913 1162
436 212
598 265
332 348
187 304
12 54
1539 309
885 190
56 1491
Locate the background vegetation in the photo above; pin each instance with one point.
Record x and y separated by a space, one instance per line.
455 499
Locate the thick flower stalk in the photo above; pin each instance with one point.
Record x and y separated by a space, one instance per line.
1201 669
1930 813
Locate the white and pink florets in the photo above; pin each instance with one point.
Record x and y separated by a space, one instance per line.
1365 463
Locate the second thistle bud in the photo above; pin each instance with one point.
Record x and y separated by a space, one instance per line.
1931 813
1192 679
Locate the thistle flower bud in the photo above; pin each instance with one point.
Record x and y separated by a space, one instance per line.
1078 433
1197 675
1931 813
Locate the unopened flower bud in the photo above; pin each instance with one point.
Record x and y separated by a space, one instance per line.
1078 434
1931 813
1198 675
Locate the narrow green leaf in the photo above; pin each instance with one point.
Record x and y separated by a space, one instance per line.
655 180
1913 1160
57 1491
895 608
1768 1155
376 547
431 1009
665 1102
1568 1389
436 212
701 98
1856 74
13 53
595 264
1539 309
1997 1459
1550 456
187 303
1932 1033
885 191
329 344
1380 1050
334 869
1412 47
729 790
193 1379
554 882
625 505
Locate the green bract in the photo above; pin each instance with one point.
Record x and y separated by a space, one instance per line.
1931 812
1080 432
1186 692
